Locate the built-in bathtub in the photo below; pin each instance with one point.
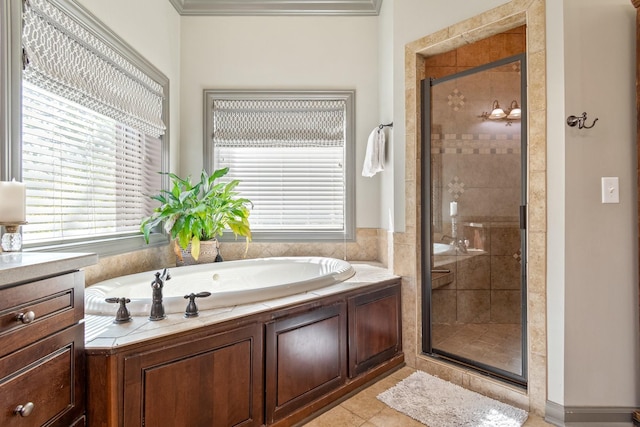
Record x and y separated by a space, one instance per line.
230 283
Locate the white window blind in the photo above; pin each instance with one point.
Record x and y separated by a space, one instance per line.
86 175
292 188
290 158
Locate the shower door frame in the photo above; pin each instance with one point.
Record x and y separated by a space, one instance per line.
426 225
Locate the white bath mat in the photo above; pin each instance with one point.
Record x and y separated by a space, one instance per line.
438 403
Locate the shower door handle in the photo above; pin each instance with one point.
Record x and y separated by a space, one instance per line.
523 217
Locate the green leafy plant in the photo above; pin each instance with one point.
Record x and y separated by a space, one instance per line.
202 211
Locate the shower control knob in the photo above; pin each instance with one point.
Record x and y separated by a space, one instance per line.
192 308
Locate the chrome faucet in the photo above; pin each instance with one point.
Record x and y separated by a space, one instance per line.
459 244
157 307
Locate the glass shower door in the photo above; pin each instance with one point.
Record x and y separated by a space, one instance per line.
473 206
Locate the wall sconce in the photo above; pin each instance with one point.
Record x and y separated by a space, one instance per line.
579 121
497 113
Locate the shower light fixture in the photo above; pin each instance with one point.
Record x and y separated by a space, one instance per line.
497 113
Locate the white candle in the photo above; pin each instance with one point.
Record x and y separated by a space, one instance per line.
12 202
453 208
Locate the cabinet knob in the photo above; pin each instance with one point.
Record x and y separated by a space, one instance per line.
27 317
24 410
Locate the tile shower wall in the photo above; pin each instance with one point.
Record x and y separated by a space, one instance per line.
477 165
483 176
485 288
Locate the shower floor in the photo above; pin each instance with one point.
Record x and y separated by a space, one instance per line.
494 344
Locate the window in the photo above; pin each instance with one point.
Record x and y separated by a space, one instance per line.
293 155
87 175
92 135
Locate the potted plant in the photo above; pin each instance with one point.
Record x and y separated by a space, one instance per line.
195 213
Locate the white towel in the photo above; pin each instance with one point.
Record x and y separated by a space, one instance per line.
374 156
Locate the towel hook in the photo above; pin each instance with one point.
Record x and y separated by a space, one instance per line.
579 121
390 125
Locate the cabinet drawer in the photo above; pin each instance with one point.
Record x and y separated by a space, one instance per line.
49 377
55 303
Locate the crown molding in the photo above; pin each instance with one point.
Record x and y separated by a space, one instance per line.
276 7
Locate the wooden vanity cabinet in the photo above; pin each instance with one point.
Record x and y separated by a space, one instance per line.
42 352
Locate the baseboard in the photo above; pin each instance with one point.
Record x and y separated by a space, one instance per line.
600 416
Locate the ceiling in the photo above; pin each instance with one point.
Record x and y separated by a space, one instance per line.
277 7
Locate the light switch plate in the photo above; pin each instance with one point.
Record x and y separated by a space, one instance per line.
610 189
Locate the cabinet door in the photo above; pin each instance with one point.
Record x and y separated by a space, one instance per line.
46 380
305 358
375 328
211 381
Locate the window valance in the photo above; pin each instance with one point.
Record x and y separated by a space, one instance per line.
87 70
278 123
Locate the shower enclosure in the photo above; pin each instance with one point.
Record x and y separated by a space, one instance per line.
473 225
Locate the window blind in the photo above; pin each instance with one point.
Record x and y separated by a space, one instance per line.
289 156
64 57
86 174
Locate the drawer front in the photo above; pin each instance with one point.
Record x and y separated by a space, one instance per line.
35 310
49 381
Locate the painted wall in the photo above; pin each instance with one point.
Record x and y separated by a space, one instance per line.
601 255
152 28
291 52
411 20
555 203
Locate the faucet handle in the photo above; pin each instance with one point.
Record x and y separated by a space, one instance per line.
123 314
192 308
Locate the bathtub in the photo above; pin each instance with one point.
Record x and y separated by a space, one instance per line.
230 283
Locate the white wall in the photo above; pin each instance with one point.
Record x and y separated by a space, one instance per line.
556 125
292 52
414 19
386 69
152 28
601 254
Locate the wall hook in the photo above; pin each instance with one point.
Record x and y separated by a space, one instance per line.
579 121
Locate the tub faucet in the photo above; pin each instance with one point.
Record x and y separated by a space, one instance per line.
459 244
157 308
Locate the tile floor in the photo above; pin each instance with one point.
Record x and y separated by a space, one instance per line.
494 344
365 410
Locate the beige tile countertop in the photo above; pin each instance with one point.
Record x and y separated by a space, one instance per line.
102 334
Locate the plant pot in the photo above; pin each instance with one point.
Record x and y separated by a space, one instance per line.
209 252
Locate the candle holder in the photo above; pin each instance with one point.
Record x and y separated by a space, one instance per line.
12 238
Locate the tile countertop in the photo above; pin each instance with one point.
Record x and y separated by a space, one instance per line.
101 334
20 267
